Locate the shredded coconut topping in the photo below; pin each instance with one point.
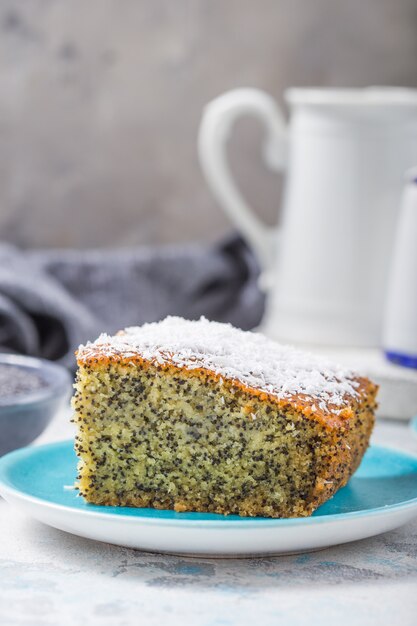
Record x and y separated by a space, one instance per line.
248 357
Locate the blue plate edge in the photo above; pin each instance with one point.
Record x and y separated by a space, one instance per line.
245 522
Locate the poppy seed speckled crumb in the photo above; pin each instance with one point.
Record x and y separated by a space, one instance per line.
162 423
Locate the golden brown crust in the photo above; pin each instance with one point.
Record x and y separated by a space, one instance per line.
348 445
250 507
333 416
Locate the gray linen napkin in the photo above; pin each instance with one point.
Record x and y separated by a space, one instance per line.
53 300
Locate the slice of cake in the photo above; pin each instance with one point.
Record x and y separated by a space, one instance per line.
201 416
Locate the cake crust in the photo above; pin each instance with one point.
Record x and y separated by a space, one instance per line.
316 386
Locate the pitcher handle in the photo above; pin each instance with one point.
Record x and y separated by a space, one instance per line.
218 118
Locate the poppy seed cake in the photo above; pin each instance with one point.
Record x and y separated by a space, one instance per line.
201 416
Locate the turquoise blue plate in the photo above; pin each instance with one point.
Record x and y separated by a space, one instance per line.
380 496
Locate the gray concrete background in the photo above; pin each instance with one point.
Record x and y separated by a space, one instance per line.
100 103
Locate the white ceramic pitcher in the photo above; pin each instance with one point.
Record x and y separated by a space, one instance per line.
345 153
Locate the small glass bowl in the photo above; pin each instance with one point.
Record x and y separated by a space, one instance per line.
23 417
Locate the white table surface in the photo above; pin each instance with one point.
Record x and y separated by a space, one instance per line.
48 577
